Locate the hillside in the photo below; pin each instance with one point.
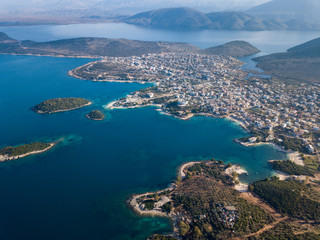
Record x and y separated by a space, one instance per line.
97 47
242 21
190 19
307 10
183 18
234 49
5 38
298 63
91 47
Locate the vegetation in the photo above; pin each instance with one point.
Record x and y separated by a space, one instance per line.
292 198
149 204
60 104
311 162
95 115
23 149
234 49
283 231
291 168
167 207
161 237
211 208
299 63
294 144
91 47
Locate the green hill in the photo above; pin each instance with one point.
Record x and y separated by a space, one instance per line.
60 105
234 49
298 63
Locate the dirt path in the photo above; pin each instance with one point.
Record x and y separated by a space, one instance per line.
257 201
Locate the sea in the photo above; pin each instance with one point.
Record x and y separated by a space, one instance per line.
79 189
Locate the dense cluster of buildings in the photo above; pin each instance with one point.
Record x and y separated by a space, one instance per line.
188 84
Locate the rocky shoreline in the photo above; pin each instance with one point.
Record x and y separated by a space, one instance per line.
7 158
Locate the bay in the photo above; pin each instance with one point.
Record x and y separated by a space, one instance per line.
78 190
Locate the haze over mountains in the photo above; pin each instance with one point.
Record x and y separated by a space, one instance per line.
274 15
190 19
134 6
307 10
203 14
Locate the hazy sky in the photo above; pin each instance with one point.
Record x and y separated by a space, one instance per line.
210 5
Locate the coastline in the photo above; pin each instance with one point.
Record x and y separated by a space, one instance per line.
191 115
136 201
132 201
240 187
4 158
48 55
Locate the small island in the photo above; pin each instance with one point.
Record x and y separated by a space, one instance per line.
60 105
95 115
12 153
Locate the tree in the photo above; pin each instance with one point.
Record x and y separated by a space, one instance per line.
179 179
197 232
251 188
184 228
156 197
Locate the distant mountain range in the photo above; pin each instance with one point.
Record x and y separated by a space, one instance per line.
306 10
300 63
273 15
96 47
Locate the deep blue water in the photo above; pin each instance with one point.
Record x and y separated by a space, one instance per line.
78 190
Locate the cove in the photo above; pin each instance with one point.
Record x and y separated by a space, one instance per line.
79 189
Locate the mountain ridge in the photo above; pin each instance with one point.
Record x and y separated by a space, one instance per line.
101 47
298 63
189 19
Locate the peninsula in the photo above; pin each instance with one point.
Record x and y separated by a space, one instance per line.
95 115
203 203
105 47
60 105
12 153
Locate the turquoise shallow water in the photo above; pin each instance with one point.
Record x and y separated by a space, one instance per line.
78 190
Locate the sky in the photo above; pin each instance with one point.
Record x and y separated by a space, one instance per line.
209 5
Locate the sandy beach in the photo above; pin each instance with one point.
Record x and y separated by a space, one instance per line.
235 168
185 166
240 187
296 158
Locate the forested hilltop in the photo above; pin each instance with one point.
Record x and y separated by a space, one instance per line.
60 105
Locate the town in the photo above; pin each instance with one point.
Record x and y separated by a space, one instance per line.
274 111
